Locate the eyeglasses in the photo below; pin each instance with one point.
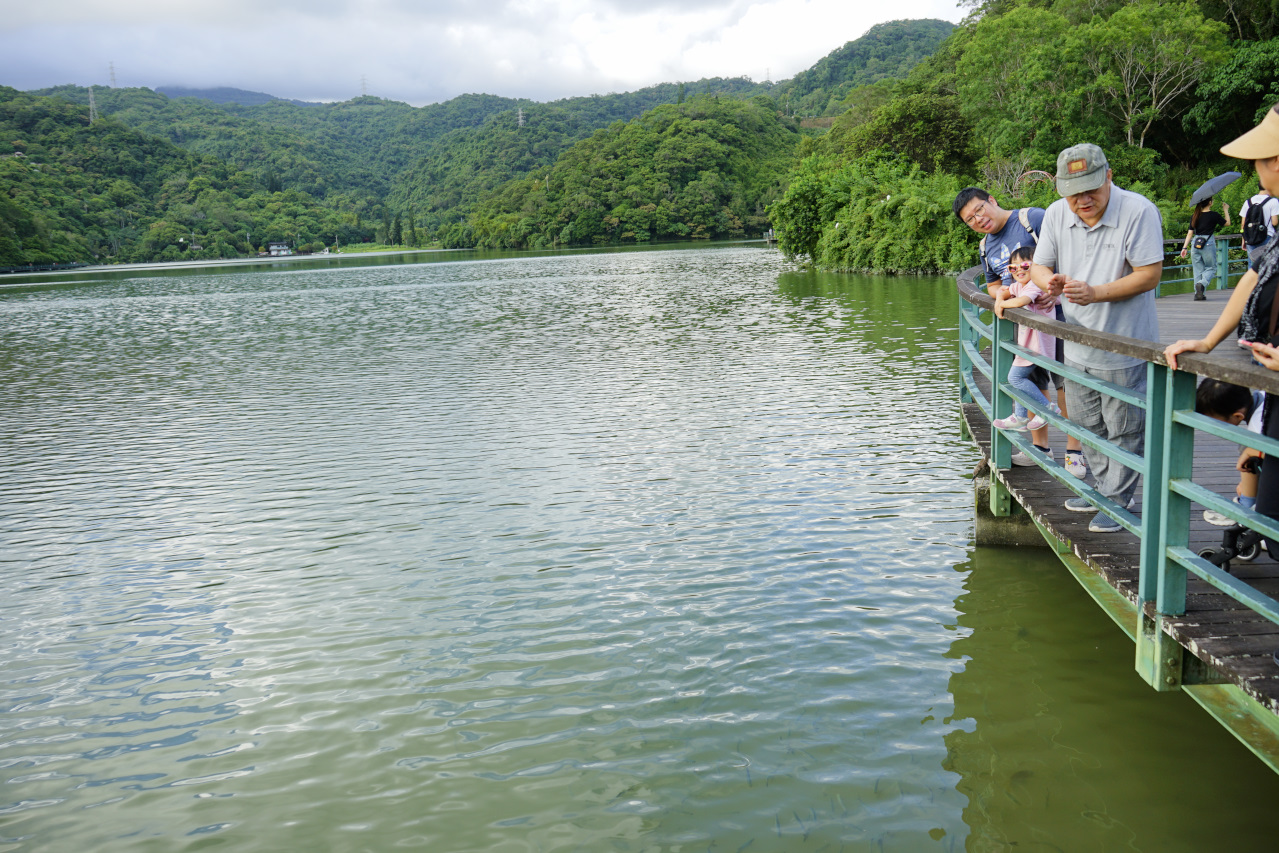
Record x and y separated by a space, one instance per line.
1022 266
977 211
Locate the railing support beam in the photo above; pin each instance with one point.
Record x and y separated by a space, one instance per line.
1170 450
1001 500
966 333
1223 262
1159 656
1001 453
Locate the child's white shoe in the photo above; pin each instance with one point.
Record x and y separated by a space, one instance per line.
1039 423
1012 422
1076 465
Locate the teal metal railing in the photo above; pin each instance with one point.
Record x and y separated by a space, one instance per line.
1166 465
1228 268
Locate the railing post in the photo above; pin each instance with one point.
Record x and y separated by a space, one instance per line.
1223 262
1170 450
1003 331
1179 456
1001 449
967 334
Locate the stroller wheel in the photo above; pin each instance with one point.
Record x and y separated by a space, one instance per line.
1250 552
1219 557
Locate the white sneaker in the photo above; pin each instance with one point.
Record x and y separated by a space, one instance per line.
1011 422
1024 460
1218 519
1076 464
1038 422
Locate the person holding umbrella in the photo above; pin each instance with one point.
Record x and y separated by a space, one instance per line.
1204 222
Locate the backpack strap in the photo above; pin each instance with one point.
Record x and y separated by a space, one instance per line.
1023 214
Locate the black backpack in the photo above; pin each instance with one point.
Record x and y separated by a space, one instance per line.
1255 232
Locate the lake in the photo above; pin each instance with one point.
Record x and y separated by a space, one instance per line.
623 551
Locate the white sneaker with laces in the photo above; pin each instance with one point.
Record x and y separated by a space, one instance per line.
1011 422
1038 422
1218 519
1024 460
1076 465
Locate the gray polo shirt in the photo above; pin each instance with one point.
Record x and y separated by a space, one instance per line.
1130 234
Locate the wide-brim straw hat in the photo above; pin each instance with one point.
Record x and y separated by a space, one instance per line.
1260 143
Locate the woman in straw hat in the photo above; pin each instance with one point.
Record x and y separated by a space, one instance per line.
1253 308
1249 308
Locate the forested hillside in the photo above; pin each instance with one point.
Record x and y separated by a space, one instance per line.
154 175
702 169
888 51
75 191
1160 86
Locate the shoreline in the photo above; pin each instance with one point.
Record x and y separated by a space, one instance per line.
26 279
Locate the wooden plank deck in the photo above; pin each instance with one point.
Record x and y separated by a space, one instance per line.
1226 636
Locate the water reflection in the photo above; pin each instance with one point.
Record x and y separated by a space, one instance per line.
1059 743
626 551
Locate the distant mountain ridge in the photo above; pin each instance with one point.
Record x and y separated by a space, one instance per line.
230 169
886 51
228 95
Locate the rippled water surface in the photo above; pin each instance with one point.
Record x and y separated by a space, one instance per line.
664 550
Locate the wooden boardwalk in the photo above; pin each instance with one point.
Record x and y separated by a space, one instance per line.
1233 642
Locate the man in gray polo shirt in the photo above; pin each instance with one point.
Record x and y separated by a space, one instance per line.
1101 250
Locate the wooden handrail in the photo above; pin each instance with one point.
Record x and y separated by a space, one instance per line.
1227 363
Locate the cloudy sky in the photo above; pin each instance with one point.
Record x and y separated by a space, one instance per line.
423 51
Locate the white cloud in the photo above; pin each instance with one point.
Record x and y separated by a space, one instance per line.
422 52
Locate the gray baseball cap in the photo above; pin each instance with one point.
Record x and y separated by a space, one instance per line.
1081 168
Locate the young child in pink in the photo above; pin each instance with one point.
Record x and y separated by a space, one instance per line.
1024 294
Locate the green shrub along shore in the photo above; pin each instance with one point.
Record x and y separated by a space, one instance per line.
1160 86
853 162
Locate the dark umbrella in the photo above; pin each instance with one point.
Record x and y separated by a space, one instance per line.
1212 186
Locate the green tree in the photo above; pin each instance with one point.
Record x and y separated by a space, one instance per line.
1146 57
1236 94
927 128
1015 85
1250 19
803 212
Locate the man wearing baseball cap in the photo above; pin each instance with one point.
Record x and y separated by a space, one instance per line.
1101 249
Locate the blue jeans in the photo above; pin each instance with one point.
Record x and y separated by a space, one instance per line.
1254 254
1115 421
1204 262
1019 378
